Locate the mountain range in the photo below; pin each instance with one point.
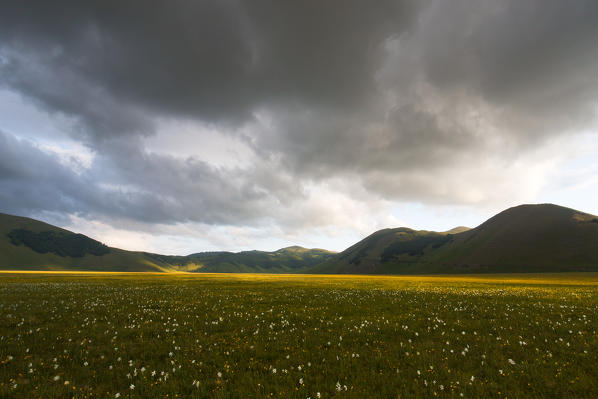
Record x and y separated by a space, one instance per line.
525 238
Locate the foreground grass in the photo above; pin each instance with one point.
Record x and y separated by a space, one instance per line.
245 336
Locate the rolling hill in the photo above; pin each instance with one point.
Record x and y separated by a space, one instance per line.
286 260
525 238
28 244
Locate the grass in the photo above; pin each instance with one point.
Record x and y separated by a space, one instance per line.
245 336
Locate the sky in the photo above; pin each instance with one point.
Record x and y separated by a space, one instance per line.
188 126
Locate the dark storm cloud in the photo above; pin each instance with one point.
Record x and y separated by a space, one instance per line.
535 59
390 95
466 81
213 60
159 57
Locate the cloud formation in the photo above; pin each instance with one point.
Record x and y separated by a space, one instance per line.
367 105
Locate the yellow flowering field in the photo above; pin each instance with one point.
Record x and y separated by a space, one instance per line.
295 336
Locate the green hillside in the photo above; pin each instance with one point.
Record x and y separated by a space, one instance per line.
28 244
386 251
286 260
526 238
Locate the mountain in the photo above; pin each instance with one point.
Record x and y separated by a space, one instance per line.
525 238
28 244
286 260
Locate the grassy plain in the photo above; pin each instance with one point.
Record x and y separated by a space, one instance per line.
297 336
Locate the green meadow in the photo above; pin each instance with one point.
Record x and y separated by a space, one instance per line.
297 336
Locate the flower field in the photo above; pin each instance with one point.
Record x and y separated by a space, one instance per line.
255 336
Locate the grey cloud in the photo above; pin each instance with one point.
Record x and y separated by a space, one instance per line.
388 95
216 61
58 89
318 143
132 184
171 57
534 61
191 190
32 181
469 83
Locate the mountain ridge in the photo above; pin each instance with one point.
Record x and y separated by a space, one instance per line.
29 244
524 238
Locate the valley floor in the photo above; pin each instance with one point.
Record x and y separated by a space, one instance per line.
254 335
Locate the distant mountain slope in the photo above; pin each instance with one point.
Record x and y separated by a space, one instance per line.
286 260
526 238
529 238
383 250
28 244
